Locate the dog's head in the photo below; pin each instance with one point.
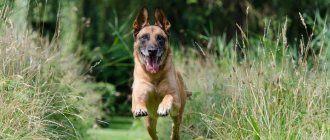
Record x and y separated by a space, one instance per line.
151 41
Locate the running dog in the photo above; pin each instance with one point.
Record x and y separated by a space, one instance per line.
158 89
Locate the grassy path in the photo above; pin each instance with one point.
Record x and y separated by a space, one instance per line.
127 128
121 128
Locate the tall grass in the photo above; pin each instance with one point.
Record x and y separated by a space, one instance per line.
273 93
41 90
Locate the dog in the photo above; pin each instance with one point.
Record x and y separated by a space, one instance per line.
158 89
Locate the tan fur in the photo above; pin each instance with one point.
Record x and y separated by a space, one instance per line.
160 92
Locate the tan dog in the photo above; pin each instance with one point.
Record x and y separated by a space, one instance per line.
158 89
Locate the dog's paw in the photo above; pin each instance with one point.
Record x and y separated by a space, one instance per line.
140 112
163 110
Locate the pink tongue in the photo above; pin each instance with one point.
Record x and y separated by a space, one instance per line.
151 66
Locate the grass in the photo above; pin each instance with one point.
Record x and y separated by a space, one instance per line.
41 90
128 128
123 128
117 134
271 94
257 101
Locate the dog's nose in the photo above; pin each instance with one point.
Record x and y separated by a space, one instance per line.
152 50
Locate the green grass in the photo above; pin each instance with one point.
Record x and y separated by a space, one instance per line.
257 101
121 128
273 93
118 134
128 128
41 90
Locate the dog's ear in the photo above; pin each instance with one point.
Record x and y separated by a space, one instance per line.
162 21
141 21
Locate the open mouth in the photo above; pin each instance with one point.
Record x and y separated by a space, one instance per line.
151 59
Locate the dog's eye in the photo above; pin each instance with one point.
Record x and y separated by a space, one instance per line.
145 37
160 39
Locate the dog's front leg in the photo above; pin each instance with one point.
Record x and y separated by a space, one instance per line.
165 106
139 108
139 98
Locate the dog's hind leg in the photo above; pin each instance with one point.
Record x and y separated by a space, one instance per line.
175 135
151 124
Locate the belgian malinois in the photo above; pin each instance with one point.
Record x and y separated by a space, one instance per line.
158 89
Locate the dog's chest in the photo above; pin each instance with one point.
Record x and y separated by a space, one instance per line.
161 88
158 90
